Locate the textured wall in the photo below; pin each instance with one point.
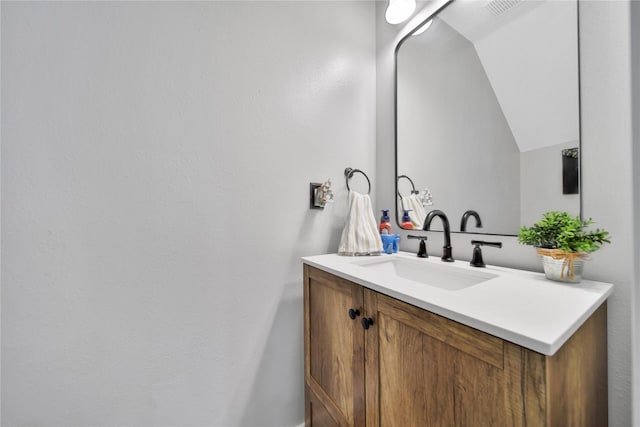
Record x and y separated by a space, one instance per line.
635 302
156 160
607 176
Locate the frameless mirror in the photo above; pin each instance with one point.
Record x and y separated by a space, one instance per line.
487 114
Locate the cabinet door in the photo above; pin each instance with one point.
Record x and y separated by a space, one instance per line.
334 354
425 370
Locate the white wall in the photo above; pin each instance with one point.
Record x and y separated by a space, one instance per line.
156 160
635 292
606 162
607 177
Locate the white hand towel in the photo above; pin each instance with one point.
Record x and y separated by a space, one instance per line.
360 234
417 212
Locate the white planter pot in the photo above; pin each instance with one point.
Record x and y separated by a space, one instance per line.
563 269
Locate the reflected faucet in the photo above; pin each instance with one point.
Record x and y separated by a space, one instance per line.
465 218
446 249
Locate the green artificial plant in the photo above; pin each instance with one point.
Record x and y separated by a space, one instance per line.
561 231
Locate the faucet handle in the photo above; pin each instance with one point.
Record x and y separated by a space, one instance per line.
476 259
422 250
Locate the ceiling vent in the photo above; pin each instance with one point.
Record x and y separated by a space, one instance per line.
498 7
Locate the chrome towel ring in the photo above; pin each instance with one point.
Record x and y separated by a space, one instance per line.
348 173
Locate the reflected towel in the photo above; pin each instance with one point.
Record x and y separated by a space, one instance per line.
417 212
360 233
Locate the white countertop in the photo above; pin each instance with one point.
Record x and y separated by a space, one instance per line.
519 306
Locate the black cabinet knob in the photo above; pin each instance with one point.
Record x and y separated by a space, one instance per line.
354 313
366 322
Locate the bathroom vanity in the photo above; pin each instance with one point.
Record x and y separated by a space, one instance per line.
399 341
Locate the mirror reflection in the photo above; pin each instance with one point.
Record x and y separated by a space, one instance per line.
487 107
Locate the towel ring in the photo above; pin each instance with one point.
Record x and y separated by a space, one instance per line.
413 186
348 173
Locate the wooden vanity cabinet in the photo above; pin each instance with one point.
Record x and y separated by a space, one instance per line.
334 350
412 367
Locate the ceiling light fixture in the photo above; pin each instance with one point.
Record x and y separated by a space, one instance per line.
399 10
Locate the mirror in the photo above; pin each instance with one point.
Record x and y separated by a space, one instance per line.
487 114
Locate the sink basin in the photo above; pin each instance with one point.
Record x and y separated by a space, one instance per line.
441 276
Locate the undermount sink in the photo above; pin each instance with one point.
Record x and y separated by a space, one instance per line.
441 276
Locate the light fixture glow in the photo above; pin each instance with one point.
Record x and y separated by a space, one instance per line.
423 28
399 10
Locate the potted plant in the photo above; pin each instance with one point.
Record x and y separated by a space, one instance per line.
564 243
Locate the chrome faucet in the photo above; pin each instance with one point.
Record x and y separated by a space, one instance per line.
465 218
446 249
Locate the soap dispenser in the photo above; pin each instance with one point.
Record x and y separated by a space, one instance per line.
406 220
385 224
